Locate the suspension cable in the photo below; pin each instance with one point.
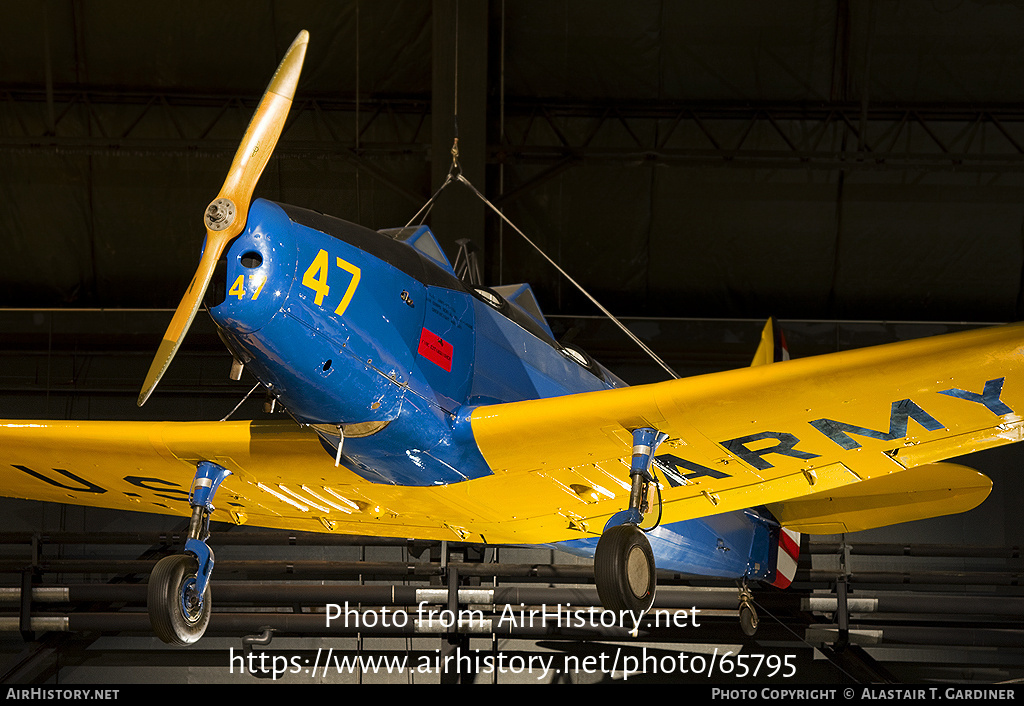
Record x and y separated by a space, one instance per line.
455 174
610 315
454 170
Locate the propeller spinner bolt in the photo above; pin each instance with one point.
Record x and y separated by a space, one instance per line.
219 214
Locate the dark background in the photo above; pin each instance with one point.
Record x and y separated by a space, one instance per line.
852 160
853 168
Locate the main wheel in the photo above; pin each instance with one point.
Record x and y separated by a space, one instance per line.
624 569
748 619
178 614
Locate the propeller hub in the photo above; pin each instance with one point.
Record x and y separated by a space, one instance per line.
220 214
233 200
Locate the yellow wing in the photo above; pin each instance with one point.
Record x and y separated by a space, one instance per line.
281 477
737 439
931 490
770 433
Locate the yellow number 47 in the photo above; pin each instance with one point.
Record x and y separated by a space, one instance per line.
316 276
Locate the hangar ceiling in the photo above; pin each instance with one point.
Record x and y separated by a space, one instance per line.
816 160
823 160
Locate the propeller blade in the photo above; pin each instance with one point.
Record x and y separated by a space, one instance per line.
225 217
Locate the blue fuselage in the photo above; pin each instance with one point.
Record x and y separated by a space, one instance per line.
373 334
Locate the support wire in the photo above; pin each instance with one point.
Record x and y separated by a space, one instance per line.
455 174
654 356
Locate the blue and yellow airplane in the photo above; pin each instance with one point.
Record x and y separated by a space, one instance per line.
423 407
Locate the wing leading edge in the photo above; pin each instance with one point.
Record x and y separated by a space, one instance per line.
772 433
737 439
281 477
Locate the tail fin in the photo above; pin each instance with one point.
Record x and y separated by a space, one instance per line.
772 348
788 552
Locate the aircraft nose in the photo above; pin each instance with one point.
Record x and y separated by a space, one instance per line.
258 270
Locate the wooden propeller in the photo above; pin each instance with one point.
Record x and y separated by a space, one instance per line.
226 215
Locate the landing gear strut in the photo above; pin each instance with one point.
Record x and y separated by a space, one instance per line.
748 616
624 567
178 596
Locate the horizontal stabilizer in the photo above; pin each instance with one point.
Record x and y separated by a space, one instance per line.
918 493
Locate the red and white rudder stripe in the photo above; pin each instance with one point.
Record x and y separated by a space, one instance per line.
786 559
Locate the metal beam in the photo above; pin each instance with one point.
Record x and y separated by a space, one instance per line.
832 136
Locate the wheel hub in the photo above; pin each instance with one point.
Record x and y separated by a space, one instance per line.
191 602
637 572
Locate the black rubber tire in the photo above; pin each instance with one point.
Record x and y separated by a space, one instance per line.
171 621
748 619
624 570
